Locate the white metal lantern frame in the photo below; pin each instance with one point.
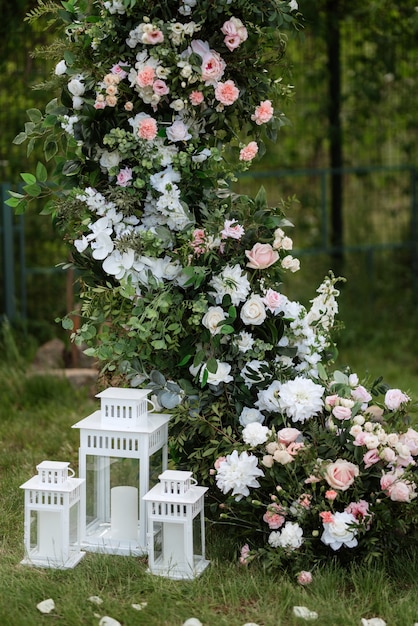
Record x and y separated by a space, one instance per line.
176 526
54 506
121 432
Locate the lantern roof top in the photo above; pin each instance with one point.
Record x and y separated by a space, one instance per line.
122 393
94 422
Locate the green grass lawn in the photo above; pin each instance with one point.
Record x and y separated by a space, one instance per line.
36 415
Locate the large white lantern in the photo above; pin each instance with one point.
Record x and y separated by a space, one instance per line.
54 504
123 449
176 526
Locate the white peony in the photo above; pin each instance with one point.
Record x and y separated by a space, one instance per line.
237 473
254 434
340 531
221 375
268 399
301 398
231 281
244 341
60 68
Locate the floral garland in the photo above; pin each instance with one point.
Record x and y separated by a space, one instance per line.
160 107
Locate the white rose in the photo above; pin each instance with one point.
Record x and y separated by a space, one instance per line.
60 68
253 311
110 159
221 375
76 87
249 416
178 131
177 105
255 434
290 263
211 319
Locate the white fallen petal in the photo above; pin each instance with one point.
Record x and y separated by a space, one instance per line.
46 606
250 624
96 600
304 613
192 621
374 621
109 621
137 607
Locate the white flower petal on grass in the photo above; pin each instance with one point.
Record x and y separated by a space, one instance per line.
46 606
304 613
139 607
192 621
109 621
96 600
374 621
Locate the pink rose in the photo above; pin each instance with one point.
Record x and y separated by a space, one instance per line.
394 399
360 438
341 412
226 93
388 455
402 491
341 474
361 394
247 153
331 400
218 461
261 256
288 435
371 457
118 71
263 113
129 106
273 300
386 481
410 439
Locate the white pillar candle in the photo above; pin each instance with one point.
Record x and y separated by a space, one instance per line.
49 534
124 513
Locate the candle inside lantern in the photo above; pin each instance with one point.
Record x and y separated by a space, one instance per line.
173 545
124 513
49 534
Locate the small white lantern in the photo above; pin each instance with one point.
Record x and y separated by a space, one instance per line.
122 451
176 526
53 516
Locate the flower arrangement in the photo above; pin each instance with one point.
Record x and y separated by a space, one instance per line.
160 107
332 474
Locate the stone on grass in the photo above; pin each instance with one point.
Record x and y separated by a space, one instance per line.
304 613
96 600
374 621
192 621
109 621
46 606
139 607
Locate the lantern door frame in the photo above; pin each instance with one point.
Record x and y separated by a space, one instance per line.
105 442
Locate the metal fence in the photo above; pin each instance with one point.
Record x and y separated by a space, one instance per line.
380 219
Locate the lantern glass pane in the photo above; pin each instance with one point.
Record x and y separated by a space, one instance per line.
155 467
33 530
74 523
197 536
173 545
158 540
102 475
